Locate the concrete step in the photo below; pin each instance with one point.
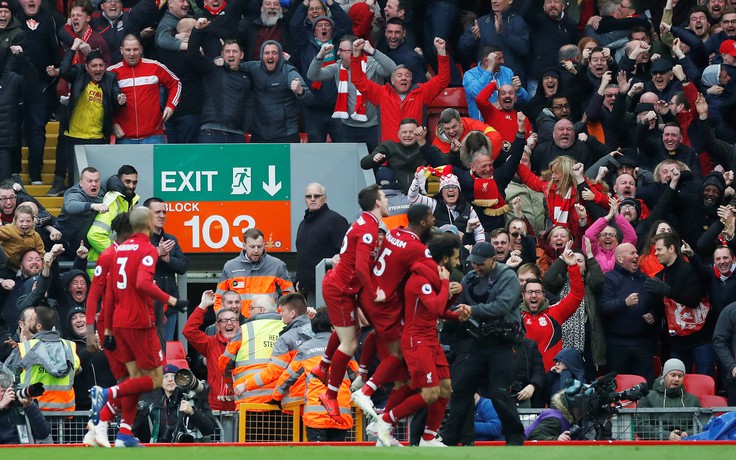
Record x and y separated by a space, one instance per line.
48 166
50 202
49 152
47 178
54 211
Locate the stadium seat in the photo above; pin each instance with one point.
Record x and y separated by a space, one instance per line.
700 384
175 350
713 401
657 363
180 363
449 98
626 381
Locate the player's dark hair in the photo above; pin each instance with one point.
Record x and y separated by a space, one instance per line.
416 213
443 245
368 196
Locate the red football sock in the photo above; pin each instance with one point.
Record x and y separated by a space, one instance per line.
435 414
396 396
109 410
337 372
332 345
409 406
385 373
368 352
134 386
129 408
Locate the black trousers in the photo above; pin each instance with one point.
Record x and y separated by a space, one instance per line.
488 370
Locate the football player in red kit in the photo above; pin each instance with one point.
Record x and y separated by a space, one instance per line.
130 328
426 298
340 289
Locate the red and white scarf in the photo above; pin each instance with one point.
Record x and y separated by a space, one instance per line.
341 105
78 56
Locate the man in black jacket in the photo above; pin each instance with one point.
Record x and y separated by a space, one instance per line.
17 414
171 262
319 236
93 88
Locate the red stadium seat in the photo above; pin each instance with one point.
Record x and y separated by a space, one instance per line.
180 363
700 384
626 381
449 98
657 365
713 401
175 350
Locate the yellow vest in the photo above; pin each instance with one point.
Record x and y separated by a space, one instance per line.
59 391
258 339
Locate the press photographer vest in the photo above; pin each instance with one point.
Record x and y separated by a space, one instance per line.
59 391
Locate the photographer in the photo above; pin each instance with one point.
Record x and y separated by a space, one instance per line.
21 421
484 352
174 415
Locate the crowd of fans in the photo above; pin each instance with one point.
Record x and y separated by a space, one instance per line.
606 128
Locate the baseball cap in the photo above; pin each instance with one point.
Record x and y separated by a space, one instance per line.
728 47
170 369
481 252
661 65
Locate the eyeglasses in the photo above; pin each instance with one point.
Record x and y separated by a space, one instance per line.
610 95
561 106
607 235
7 198
227 320
731 22
534 291
314 197
515 234
344 51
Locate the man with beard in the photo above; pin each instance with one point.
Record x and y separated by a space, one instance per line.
728 32
559 108
625 188
401 248
48 359
95 94
503 117
269 26
671 147
663 83
542 321
399 50
719 277
120 198
627 310
212 347
13 287
253 272
490 68
565 142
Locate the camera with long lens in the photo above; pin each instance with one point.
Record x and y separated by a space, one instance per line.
31 391
191 387
594 404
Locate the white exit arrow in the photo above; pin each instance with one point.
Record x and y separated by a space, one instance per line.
272 187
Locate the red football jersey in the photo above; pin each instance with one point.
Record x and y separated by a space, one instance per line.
399 250
426 298
131 283
97 287
357 253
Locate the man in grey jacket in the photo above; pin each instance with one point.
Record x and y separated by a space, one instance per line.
359 124
82 202
278 92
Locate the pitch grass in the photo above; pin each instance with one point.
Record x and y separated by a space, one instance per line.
673 452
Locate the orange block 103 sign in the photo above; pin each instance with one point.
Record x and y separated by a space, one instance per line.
215 192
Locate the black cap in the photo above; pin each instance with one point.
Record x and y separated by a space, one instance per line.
661 65
643 107
481 252
631 202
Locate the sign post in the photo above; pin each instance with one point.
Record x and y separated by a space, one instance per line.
213 193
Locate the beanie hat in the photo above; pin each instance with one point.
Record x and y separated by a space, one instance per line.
550 71
170 369
715 178
6 5
643 107
633 202
449 180
673 364
324 18
387 180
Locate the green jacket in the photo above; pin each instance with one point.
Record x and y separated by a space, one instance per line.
659 426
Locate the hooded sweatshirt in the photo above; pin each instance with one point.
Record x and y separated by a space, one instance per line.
276 104
658 426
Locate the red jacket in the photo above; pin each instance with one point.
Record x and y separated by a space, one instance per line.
211 347
141 115
545 326
392 108
504 122
471 124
